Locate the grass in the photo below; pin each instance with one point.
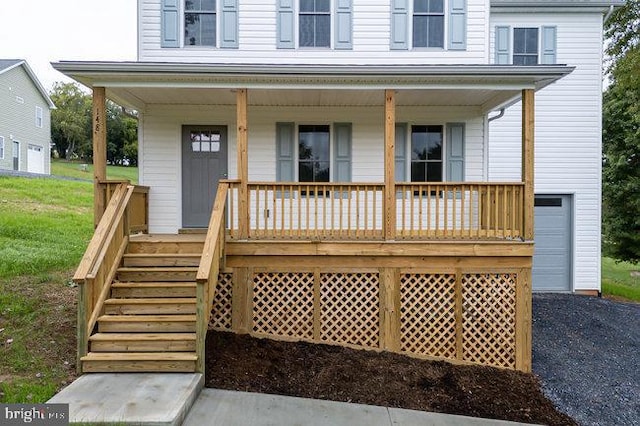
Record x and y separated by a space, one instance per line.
75 169
617 280
45 225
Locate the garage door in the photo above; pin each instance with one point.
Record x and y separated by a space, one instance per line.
552 254
35 159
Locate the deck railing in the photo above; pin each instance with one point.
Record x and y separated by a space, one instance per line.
210 264
100 262
355 211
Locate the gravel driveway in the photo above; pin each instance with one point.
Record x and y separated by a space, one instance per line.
586 351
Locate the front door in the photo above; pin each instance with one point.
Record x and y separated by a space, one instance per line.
16 155
204 163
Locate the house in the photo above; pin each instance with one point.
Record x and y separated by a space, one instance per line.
25 121
363 173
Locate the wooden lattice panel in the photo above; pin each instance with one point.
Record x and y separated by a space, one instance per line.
350 308
221 305
427 320
488 319
283 304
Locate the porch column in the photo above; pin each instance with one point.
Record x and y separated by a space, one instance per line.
389 224
243 164
528 105
99 152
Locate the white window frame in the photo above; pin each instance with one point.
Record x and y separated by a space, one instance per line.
407 146
2 148
331 27
297 151
539 42
39 117
19 145
183 13
445 28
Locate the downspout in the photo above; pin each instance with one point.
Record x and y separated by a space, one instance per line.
486 138
495 117
608 15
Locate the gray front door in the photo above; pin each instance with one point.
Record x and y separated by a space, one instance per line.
204 163
552 260
16 155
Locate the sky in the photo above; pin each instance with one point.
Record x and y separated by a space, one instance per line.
44 31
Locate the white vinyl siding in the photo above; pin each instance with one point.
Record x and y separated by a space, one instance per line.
160 153
370 44
568 132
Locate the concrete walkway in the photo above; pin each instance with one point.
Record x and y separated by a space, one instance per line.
168 399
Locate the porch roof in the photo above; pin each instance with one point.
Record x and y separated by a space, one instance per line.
137 84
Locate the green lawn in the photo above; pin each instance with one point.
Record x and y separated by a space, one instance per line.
82 170
617 279
45 225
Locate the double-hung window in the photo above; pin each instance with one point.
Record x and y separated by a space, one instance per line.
426 153
525 46
428 23
200 23
313 153
1 147
39 117
315 23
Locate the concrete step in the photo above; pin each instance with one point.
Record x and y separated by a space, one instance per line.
165 274
153 289
147 324
143 342
161 259
126 362
155 306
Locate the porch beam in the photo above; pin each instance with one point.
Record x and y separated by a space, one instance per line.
528 125
99 126
389 224
243 163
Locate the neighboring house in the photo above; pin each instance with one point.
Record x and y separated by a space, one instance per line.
25 119
394 127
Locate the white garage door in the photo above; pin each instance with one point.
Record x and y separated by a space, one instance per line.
35 159
552 254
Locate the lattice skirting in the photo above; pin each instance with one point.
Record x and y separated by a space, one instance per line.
459 315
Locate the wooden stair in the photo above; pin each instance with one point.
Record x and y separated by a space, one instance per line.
149 320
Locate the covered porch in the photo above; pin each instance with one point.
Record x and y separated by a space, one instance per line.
433 269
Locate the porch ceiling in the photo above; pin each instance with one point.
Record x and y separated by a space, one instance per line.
137 84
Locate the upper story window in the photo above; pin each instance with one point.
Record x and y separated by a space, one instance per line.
428 23
39 117
525 46
315 23
200 23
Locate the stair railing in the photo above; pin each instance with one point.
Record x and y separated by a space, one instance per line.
102 258
210 264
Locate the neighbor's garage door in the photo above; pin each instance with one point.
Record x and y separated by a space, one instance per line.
35 159
552 255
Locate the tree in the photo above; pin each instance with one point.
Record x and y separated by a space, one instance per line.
621 136
70 121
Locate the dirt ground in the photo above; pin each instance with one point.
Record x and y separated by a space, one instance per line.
240 362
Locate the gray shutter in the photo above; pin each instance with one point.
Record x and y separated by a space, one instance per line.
399 25
342 152
285 25
285 163
502 45
169 24
549 38
455 152
344 25
458 25
229 24
401 152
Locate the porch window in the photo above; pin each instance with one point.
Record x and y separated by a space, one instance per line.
428 23
315 23
313 153
525 46
426 153
200 23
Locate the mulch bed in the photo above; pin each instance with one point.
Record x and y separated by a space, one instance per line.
243 363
